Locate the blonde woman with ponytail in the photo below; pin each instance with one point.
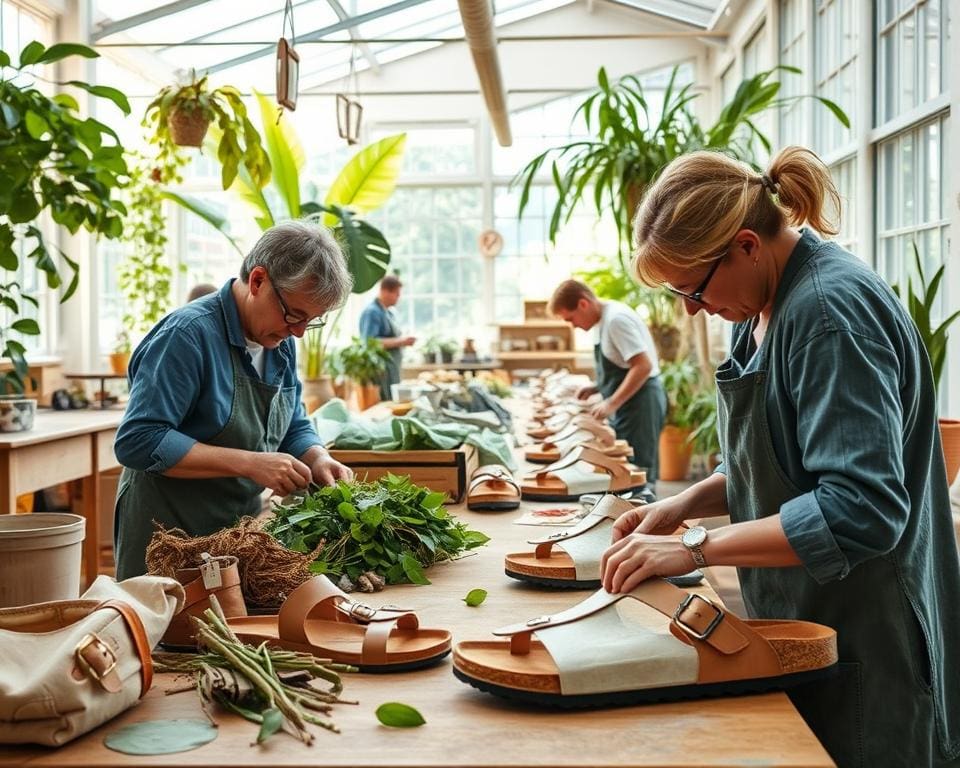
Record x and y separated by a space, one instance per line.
833 474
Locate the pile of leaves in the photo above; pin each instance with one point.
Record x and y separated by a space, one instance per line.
389 526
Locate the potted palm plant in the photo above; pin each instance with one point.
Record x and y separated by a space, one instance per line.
364 362
920 305
180 116
53 161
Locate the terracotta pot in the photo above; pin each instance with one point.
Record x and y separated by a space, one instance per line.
119 362
950 437
319 389
675 453
187 129
368 395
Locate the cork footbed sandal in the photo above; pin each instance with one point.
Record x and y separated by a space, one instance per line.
581 471
592 434
319 618
656 643
493 487
570 559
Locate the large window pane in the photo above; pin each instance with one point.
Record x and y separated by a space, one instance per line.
910 48
835 69
793 42
845 178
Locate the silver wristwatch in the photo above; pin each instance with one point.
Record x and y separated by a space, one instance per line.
693 539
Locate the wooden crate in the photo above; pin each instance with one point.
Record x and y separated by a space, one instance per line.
446 471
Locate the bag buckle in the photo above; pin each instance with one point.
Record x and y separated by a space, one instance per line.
694 633
101 648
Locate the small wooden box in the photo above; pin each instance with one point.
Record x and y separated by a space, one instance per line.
445 471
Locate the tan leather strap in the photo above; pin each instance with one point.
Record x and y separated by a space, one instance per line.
321 598
193 586
492 473
725 644
610 507
96 659
616 469
601 432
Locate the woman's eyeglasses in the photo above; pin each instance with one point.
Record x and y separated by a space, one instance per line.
291 319
697 295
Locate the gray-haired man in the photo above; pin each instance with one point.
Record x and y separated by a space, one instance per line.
214 414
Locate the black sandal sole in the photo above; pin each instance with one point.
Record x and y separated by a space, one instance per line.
494 505
576 497
386 669
691 579
649 696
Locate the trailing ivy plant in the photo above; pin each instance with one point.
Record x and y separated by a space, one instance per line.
51 160
238 140
144 275
389 526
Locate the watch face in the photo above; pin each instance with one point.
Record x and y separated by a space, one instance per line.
694 537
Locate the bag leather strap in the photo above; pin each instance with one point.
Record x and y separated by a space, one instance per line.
95 653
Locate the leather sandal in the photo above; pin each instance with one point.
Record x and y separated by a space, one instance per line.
591 434
493 487
570 559
544 429
583 470
611 650
320 619
218 576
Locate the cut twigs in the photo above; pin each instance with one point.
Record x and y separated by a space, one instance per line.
274 688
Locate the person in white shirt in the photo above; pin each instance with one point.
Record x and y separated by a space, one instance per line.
628 371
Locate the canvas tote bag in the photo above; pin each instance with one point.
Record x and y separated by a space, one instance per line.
66 666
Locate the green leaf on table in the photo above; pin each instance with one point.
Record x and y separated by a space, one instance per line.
160 737
272 722
398 715
475 597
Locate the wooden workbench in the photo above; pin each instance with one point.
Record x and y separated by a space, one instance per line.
62 446
465 727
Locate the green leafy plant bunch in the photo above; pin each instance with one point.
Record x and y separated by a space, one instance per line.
364 361
631 141
238 140
51 160
920 305
389 526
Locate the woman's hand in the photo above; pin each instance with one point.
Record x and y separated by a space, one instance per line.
660 518
640 556
326 470
280 472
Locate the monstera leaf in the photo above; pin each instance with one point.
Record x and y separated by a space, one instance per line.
366 249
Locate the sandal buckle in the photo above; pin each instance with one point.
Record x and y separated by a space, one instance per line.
694 633
537 621
561 535
360 611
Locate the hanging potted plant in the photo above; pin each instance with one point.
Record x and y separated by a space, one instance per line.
364 363
920 306
51 160
181 114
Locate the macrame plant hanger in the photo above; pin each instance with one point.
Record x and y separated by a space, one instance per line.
288 64
349 110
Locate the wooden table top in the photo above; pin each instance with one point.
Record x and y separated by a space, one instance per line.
55 425
468 728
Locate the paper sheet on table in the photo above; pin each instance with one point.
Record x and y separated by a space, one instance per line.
562 515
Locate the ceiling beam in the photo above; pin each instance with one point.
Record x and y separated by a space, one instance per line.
261 17
365 49
108 28
318 33
481 34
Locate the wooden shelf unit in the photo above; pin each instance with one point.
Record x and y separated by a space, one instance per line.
525 345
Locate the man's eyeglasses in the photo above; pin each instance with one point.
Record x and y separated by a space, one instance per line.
697 295
291 319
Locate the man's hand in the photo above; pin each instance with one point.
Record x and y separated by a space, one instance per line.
602 410
639 556
327 470
661 518
584 392
408 341
280 472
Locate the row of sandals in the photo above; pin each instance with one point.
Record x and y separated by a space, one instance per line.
700 649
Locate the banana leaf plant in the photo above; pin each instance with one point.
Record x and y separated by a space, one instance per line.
52 160
363 185
629 147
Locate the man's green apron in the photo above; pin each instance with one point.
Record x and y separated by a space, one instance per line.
392 374
259 418
640 419
883 688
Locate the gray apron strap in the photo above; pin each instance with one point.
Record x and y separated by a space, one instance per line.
260 415
640 419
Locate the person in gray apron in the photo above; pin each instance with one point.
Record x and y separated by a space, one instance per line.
628 371
378 322
214 415
833 472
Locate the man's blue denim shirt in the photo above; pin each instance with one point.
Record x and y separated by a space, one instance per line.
181 385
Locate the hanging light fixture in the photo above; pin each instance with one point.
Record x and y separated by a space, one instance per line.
288 63
349 109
